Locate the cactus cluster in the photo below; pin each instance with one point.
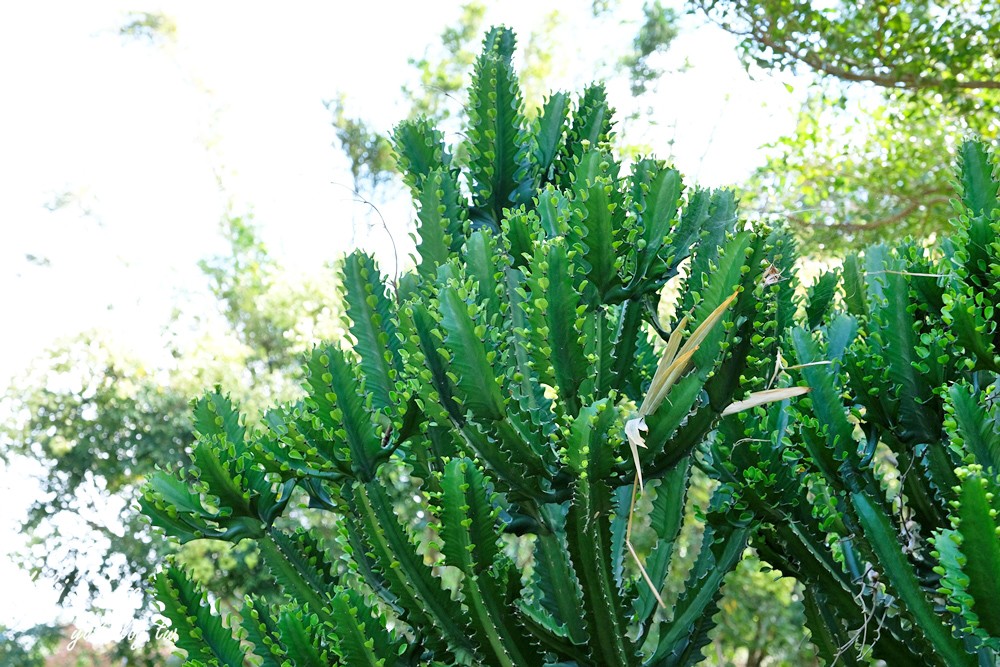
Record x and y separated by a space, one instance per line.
499 375
879 490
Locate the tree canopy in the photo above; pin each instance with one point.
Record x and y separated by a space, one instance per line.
94 421
897 86
948 48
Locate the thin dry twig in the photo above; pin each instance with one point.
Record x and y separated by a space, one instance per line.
361 199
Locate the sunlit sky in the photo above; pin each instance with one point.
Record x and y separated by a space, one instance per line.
112 151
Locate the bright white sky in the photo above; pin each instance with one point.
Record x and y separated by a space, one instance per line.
137 133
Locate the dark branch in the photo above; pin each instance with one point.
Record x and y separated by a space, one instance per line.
907 81
933 198
844 69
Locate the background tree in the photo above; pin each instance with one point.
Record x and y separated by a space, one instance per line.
657 31
28 648
761 620
274 314
897 86
945 47
92 422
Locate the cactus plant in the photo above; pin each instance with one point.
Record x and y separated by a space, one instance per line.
880 490
499 374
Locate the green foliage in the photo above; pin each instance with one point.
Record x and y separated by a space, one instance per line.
878 491
500 375
877 175
246 282
899 84
90 423
368 153
82 398
759 613
656 33
445 76
906 46
150 26
28 648
498 378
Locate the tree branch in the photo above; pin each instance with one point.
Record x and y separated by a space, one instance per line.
908 81
887 221
853 72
